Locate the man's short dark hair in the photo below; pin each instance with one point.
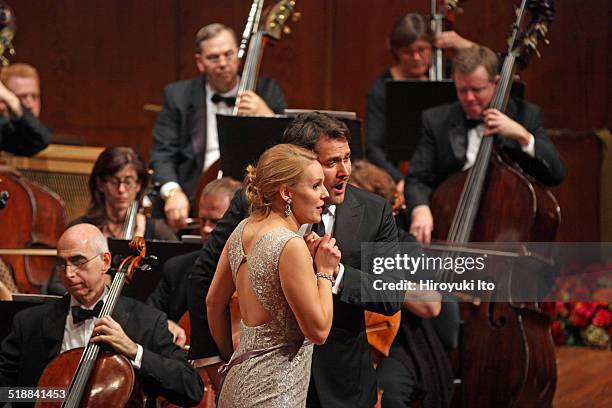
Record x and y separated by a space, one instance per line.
307 128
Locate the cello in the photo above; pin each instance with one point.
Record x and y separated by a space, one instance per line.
96 378
508 349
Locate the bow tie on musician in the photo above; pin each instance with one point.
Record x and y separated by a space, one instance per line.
217 61
411 43
475 73
134 329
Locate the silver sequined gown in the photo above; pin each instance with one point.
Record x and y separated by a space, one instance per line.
279 378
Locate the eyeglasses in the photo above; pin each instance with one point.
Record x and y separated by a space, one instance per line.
129 182
61 265
409 51
216 58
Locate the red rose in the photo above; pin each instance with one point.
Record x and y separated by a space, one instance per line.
602 318
558 333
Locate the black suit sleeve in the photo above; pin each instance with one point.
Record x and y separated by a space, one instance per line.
202 273
269 90
166 146
547 166
10 355
159 298
25 136
165 369
421 179
358 285
376 132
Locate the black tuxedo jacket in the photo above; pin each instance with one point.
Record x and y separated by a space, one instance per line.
25 136
170 295
442 150
342 373
179 135
36 338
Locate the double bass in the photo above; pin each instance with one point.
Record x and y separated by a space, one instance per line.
32 216
509 356
96 378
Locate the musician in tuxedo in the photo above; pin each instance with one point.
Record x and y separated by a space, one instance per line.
185 141
452 134
135 330
170 295
21 132
410 43
342 374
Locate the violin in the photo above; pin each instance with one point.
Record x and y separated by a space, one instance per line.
96 378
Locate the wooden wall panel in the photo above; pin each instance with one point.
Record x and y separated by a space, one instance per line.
100 62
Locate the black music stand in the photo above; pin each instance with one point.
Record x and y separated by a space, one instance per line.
144 283
406 101
8 309
242 139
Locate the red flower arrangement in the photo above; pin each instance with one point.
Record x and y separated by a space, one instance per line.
579 323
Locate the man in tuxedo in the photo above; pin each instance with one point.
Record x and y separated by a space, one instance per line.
185 141
342 373
170 295
452 134
135 330
21 132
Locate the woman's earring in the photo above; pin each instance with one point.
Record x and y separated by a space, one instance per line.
288 208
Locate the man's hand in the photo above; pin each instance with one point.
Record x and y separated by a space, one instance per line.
9 101
249 103
178 334
422 224
107 330
176 209
399 195
497 123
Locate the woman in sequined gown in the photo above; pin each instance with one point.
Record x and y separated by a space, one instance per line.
285 305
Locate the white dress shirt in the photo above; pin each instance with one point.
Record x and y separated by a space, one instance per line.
212 153
78 335
474 137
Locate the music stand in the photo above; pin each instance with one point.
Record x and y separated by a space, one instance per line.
144 283
8 309
406 101
242 139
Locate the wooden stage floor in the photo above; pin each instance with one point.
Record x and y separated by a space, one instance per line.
584 378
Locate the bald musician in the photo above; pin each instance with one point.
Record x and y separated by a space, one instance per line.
135 330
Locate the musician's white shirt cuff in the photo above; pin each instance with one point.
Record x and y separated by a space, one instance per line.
208 361
137 362
167 187
530 148
336 288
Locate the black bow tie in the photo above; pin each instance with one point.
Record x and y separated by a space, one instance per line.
472 123
79 314
229 100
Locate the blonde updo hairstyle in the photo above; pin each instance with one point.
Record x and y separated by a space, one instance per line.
280 165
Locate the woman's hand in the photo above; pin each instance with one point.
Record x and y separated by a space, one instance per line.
327 256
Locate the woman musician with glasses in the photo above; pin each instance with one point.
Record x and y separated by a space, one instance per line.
118 178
